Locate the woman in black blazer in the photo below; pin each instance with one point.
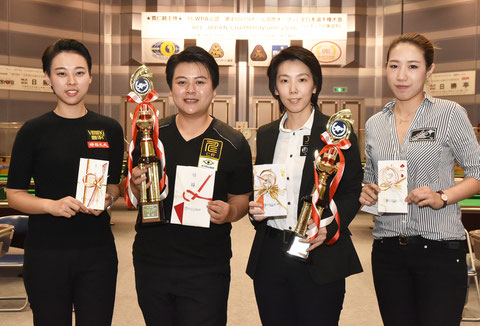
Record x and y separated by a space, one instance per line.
288 291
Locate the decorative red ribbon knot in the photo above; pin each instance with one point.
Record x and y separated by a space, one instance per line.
343 144
90 180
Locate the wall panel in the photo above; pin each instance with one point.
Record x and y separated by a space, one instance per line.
28 26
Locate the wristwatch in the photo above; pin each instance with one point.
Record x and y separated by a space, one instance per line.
113 200
444 197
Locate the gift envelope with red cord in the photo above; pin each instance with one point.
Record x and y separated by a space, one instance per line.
193 190
270 186
393 183
92 183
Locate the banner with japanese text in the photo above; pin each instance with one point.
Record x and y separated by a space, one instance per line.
209 29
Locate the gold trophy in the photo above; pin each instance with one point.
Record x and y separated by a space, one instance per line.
339 127
150 204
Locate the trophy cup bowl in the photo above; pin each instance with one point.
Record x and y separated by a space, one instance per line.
145 120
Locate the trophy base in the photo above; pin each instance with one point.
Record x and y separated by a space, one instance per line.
152 213
298 250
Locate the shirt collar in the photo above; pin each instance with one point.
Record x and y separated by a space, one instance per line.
307 125
390 105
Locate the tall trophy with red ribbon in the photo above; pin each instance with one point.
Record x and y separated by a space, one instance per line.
152 155
339 128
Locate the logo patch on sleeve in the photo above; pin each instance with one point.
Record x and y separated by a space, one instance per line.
97 139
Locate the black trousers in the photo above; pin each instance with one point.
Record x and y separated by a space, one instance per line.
419 284
286 293
173 295
58 280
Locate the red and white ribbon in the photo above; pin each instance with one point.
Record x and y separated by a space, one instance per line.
318 222
130 198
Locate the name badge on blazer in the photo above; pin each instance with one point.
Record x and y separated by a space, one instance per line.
304 148
423 134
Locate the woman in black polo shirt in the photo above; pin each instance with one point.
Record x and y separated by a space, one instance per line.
70 256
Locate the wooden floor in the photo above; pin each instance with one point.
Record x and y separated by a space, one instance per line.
360 306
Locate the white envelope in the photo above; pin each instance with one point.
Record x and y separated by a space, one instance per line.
92 183
371 209
270 186
193 190
392 180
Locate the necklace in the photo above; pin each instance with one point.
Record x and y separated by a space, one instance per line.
403 121
407 120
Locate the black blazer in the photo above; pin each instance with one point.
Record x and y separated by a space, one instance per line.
326 263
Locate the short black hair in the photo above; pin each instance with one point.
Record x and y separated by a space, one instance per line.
293 53
65 45
193 54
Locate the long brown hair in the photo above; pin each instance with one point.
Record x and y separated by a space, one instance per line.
420 41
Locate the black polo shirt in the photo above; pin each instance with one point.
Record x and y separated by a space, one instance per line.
172 244
48 149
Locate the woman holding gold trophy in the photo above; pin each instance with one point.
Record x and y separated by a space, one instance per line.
305 286
70 255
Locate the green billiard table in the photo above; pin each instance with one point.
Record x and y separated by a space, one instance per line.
471 212
5 209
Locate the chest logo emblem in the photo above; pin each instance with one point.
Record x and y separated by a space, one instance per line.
423 134
211 148
97 139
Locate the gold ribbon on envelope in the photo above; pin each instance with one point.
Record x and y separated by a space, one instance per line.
390 179
268 183
90 180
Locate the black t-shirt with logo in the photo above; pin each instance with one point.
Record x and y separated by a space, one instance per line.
49 148
173 244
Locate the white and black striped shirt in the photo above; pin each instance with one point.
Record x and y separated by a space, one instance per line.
439 135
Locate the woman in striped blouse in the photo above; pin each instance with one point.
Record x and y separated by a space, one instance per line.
418 257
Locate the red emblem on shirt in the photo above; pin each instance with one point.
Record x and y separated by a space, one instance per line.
98 144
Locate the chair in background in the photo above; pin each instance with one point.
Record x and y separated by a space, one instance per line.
20 224
472 273
6 235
